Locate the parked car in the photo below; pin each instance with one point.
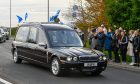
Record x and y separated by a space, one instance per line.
6 31
56 46
2 35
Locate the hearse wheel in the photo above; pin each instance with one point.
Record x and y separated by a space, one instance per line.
16 58
56 67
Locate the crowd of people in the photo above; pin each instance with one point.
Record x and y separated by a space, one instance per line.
117 42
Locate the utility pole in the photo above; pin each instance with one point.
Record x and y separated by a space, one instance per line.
10 16
48 10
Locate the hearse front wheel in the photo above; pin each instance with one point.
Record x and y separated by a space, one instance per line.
56 67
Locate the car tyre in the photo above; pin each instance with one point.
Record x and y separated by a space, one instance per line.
16 59
56 67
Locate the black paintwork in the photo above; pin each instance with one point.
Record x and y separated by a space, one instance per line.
40 54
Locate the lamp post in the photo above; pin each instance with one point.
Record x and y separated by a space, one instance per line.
10 16
48 10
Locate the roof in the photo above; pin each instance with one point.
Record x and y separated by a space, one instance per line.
47 25
56 26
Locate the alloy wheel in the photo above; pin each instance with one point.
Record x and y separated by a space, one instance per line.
55 67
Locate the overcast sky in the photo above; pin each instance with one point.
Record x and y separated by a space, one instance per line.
37 10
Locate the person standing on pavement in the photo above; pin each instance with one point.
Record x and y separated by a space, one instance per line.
108 41
123 46
115 45
120 29
100 36
90 35
81 34
94 40
130 47
136 47
104 29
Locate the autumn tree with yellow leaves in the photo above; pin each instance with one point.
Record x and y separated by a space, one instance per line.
92 13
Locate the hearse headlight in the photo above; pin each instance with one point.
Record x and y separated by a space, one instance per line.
75 58
69 58
102 58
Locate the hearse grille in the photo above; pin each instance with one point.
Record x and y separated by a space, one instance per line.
88 58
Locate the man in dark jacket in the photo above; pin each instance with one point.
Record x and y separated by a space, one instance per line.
100 36
136 47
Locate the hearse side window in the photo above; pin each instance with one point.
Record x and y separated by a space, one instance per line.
41 37
32 35
22 34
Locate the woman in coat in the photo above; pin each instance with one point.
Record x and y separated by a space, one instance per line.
130 46
136 47
115 45
94 40
123 45
108 41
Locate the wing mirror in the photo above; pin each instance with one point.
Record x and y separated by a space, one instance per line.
43 45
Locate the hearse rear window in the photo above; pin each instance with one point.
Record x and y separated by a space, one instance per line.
22 34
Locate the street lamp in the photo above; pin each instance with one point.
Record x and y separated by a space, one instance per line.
48 10
10 16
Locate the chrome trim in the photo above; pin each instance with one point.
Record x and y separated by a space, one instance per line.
89 58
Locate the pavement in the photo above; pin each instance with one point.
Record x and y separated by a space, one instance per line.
27 73
124 66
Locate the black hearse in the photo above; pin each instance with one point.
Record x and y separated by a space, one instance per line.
57 47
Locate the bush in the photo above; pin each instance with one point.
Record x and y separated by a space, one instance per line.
13 32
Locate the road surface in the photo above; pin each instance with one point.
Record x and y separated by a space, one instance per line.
27 73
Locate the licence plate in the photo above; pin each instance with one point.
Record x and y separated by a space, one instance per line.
90 64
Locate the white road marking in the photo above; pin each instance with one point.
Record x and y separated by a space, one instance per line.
4 81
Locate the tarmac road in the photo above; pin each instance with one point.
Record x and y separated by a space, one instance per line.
27 73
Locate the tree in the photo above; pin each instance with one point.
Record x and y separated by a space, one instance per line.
135 20
123 13
96 10
92 13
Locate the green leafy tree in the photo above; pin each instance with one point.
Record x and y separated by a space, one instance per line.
135 20
123 13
